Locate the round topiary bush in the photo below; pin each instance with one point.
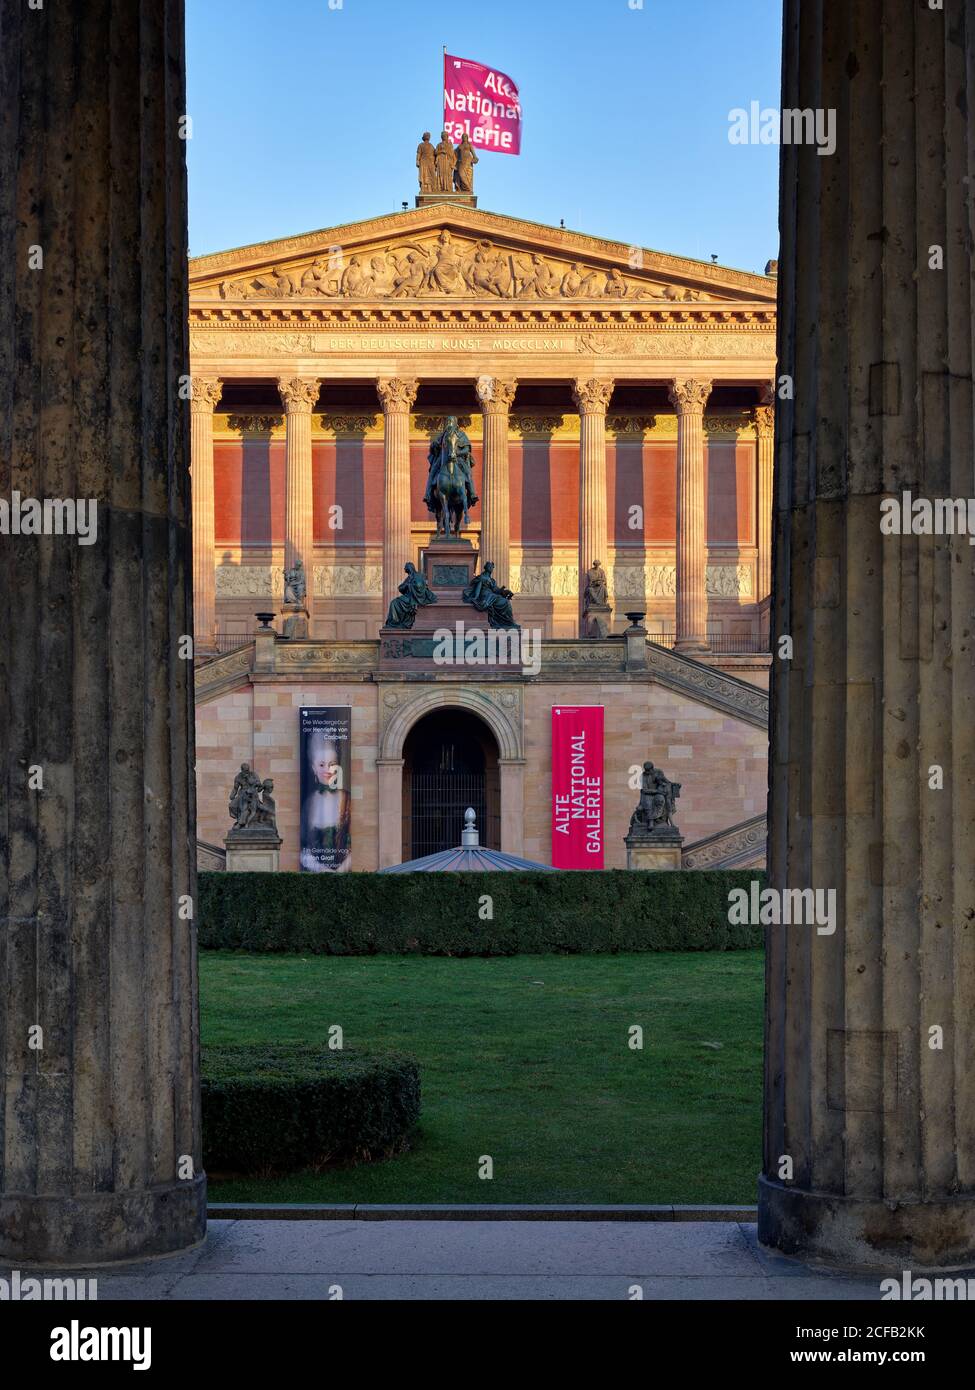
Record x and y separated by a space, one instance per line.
278 1107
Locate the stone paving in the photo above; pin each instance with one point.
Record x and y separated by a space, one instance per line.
476 1260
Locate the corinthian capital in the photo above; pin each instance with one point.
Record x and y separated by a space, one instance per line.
495 394
206 394
397 393
592 397
689 395
764 421
299 393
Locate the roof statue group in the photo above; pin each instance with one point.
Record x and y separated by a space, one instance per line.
443 168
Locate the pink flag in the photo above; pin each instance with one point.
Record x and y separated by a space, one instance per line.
484 103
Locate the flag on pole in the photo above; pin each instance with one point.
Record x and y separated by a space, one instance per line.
483 102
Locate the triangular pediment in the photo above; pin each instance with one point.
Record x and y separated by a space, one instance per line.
436 253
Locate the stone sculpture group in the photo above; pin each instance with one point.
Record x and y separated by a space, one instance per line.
252 803
448 266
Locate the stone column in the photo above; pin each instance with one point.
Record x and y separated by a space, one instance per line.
689 398
299 395
397 395
100 1154
869 1152
495 395
764 432
591 399
206 394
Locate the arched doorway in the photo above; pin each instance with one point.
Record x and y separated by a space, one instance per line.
450 762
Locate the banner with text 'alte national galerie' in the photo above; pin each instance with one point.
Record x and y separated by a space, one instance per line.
577 786
482 102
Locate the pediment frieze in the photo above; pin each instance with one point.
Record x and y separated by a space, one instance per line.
464 263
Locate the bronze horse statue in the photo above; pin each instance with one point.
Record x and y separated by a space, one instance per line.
449 494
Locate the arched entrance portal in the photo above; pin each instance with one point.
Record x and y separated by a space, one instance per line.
450 762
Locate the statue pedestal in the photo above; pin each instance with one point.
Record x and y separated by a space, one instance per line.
253 851
464 200
448 567
656 851
598 620
294 622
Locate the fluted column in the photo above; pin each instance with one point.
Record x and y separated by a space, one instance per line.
689 397
495 395
206 394
100 1155
764 416
299 395
869 1152
592 399
397 395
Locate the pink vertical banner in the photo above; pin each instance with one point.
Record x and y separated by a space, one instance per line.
577 786
484 103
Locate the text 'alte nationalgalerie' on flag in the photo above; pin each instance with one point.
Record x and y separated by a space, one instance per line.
483 102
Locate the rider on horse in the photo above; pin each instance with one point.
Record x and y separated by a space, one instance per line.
452 444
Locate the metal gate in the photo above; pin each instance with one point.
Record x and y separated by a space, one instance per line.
438 801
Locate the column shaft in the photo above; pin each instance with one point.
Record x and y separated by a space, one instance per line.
496 396
397 396
689 398
100 1153
764 432
870 1051
592 399
206 394
299 396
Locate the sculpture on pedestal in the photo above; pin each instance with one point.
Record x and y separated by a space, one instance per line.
252 805
295 584
426 163
415 593
655 809
446 160
596 608
487 596
450 480
464 168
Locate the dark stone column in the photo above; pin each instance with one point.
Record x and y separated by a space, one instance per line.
870 1047
99 1126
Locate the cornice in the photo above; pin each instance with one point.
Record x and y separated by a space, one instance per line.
500 316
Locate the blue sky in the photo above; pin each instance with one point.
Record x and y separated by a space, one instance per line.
305 116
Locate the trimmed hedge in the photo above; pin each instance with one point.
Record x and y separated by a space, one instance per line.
279 1107
438 914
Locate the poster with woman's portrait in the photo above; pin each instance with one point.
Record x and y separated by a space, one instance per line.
325 753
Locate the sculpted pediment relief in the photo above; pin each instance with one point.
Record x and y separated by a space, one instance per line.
457 263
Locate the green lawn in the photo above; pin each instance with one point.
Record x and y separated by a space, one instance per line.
526 1058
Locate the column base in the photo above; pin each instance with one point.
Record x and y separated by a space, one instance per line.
866 1234
67 1231
691 646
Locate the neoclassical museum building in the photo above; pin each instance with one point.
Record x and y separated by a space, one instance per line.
618 404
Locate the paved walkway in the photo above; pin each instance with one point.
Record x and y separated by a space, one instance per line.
247 1259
